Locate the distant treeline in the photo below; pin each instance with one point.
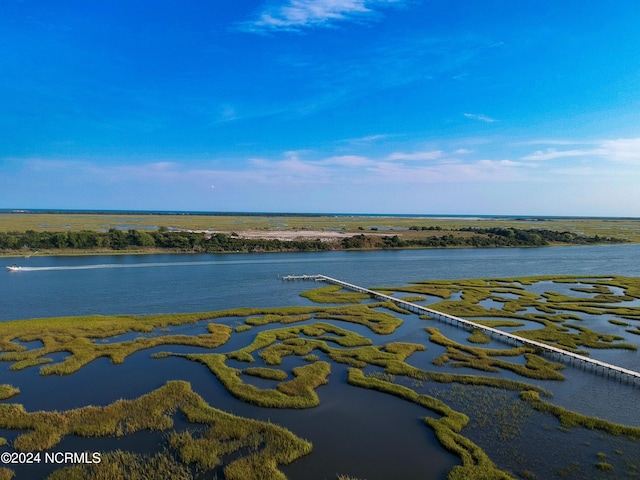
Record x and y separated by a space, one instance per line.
185 241
163 238
480 237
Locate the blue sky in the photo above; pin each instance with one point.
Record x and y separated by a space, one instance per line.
381 106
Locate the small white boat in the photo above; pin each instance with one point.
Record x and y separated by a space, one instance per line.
14 268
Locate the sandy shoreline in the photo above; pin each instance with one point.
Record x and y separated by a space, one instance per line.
289 235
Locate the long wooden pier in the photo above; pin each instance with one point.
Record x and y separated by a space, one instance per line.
289 278
509 338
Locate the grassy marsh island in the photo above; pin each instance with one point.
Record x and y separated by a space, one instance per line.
267 445
557 315
291 353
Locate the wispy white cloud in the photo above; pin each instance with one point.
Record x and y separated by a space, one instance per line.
419 156
623 150
369 139
546 141
349 161
480 117
296 15
553 154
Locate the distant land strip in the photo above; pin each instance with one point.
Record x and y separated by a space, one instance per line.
189 241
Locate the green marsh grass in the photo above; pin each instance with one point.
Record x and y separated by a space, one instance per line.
570 419
266 373
80 336
382 323
260 449
604 466
476 465
556 310
333 294
268 444
120 465
479 337
483 358
497 412
621 228
8 391
620 323
297 393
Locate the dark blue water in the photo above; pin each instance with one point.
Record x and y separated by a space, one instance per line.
58 286
355 432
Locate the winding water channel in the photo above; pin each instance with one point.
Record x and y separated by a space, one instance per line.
356 432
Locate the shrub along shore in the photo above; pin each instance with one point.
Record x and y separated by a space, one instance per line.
163 240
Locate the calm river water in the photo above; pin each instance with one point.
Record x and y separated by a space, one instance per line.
355 432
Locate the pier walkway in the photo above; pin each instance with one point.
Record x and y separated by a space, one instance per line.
509 338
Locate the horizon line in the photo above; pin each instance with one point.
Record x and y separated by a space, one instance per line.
303 214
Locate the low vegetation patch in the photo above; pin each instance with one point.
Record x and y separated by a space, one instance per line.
296 393
333 294
485 359
120 465
570 419
261 446
237 448
476 465
556 313
7 391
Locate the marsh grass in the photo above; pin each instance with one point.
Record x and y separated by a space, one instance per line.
120 465
266 373
266 445
556 310
500 323
382 323
495 412
274 318
8 391
379 322
81 337
484 359
613 321
414 298
249 449
604 466
567 338
479 337
297 393
321 331
622 228
273 345
84 350
334 294
476 465
569 419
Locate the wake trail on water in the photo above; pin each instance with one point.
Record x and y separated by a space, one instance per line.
114 265
157 264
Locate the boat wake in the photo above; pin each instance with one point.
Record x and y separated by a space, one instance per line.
112 265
